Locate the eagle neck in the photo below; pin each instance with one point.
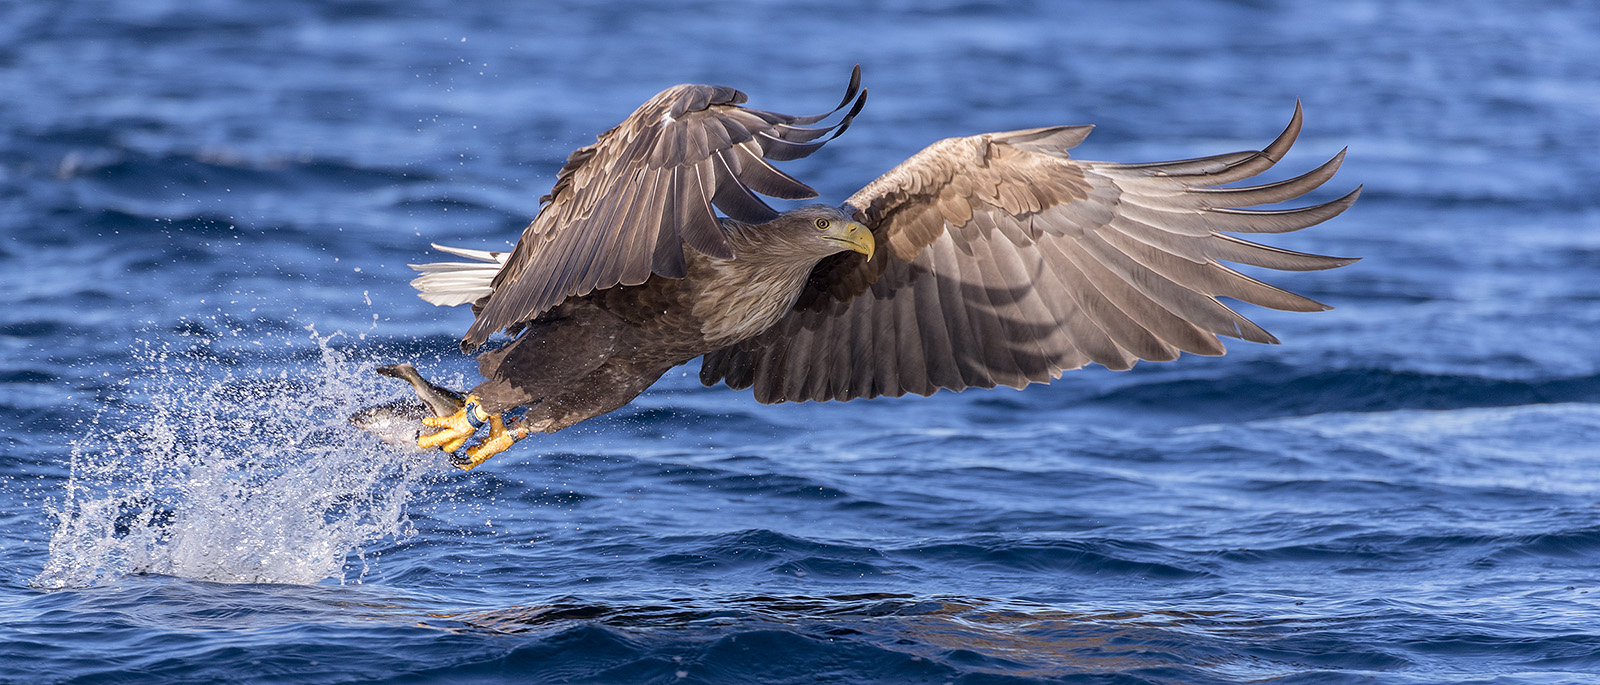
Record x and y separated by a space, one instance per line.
743 296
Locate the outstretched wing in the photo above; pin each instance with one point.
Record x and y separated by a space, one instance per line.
1004 262
622 207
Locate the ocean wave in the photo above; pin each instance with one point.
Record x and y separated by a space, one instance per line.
1263 389
1086 556
770 550
1564 544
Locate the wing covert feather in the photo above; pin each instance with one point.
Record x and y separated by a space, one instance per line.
623 207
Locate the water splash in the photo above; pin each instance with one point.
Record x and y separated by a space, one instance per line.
205 474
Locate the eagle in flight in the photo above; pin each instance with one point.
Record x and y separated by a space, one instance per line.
994 259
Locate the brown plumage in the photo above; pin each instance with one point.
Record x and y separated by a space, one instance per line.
1000 261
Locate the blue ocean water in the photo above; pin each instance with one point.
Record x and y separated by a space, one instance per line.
206 209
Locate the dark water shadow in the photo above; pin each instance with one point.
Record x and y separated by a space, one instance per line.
874 637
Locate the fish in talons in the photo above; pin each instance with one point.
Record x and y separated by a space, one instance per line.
400 422
437 418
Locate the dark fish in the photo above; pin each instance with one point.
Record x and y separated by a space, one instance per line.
399 423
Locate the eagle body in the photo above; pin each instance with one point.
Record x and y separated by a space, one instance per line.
595 353
985 260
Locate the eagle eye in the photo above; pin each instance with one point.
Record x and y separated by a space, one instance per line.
822 224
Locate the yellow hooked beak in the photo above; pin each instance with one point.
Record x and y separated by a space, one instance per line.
855 236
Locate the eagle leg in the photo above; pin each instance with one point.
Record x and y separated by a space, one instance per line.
458 427
499 440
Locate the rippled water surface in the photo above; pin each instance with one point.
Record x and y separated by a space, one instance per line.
206 209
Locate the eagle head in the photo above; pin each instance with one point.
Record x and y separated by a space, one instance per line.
835 229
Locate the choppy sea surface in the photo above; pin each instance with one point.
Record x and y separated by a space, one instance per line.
206 209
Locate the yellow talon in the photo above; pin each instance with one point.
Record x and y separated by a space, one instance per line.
458 427
498 441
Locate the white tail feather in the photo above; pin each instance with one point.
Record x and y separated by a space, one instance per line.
448 284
